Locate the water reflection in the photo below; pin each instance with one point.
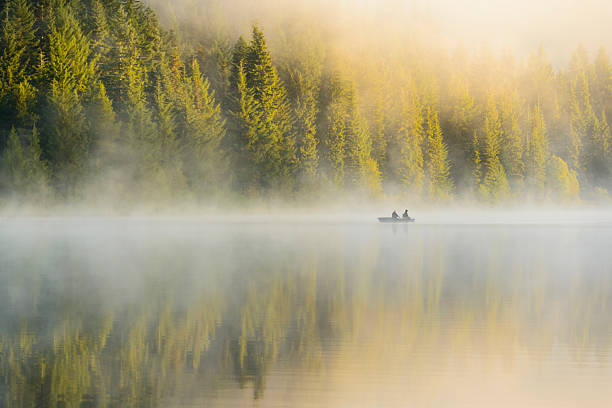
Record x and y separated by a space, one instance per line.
128 313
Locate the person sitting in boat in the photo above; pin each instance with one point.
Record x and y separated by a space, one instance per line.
395 216
405 214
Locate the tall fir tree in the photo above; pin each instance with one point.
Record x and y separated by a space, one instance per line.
18 49
306 113
463 117
440 185
512 147
536 154
335 141
23 173
205 162
495 183
270 140
412 137
362 170
71 70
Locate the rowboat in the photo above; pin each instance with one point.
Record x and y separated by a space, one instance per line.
395 220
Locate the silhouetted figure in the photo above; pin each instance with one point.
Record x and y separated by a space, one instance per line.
405 214
395 215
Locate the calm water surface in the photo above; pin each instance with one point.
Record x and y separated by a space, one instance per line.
185 313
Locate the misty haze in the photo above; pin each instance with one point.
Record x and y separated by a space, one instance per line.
308 203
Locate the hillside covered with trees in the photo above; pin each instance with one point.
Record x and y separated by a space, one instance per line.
98 100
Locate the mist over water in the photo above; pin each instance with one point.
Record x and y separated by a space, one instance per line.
493 311
241 262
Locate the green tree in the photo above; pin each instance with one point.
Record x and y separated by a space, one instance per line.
362 169
495 183
18 46
270 143
337 118
412 136
71 70
512 147
460 130
562 183
23 173
306 81
478 190
536 154
440 185
204 159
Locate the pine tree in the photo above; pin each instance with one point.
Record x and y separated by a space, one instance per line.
379 129
337 118
577 130
562 183
271 143
302 69
362 169
306 122
600 151
101 38
18 44
603 82
14 164
239 56
412 136
204 160
536 154
478 190
512 147
247 119
440 185
71 69
71 65
495 182
461 129
103 128
23 172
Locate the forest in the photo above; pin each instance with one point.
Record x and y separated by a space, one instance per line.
100 101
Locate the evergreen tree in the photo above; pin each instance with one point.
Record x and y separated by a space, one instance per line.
562 183
248 120
463 117
536 154
101 38
306 120
18 43
335 140
239 56
204 161
270 142
603 82
71 69
23 173
379 129
440 185
512 148
495 183
412 136
478 190
363 173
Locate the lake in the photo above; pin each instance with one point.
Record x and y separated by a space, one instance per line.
110 312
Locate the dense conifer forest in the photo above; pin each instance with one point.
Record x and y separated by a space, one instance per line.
100 101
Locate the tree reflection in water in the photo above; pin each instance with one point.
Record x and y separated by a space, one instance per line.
145 315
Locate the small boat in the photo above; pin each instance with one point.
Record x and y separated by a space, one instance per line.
395 220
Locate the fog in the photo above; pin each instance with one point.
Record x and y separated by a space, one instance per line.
137 274
517 26
256 312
